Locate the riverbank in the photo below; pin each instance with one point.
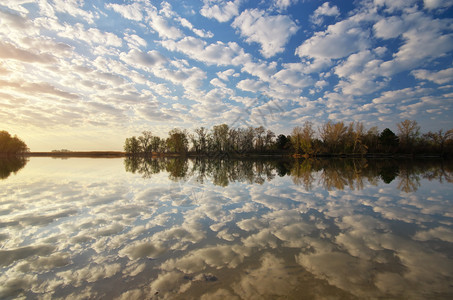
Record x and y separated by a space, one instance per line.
92 154
112 154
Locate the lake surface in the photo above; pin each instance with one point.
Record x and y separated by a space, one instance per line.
84 228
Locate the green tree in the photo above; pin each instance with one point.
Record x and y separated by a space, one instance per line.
156 143
178 141
388 140
282 142
12 145
132 146
145 142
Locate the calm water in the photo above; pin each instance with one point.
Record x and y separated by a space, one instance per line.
169 229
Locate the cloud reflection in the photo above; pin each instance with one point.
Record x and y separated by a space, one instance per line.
350 235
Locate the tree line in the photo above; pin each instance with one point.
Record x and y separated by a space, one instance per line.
331 138
11 145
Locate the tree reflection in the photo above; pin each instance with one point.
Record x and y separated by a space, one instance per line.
330 173
388 170
144 166
10 165
302 172
177 168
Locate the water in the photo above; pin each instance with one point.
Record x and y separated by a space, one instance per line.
175 229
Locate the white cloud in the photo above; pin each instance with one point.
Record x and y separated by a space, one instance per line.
354 64
74 8
391 27
167 10
132 11
10 51
91 36
339 40
220 10
217 53
434 4
200 32
324 10
164 30
423 42
141 59
271 32
37 88
399 96
282 5
262 69
13 20
134 41
226 74
439 77
359 74
217 82
189 77
211 105
158 20
294 74
393 6
18 6
251 85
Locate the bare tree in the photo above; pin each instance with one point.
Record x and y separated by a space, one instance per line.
371 138
308 134
259 138
439 138
408 131
356 132
269 139
296 139
233 135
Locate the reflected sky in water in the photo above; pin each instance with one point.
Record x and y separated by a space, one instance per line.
86 228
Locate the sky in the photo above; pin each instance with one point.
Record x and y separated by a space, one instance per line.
84 75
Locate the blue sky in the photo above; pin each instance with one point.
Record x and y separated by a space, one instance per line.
84 75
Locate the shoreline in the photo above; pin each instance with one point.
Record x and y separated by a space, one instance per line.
118 154
92 154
